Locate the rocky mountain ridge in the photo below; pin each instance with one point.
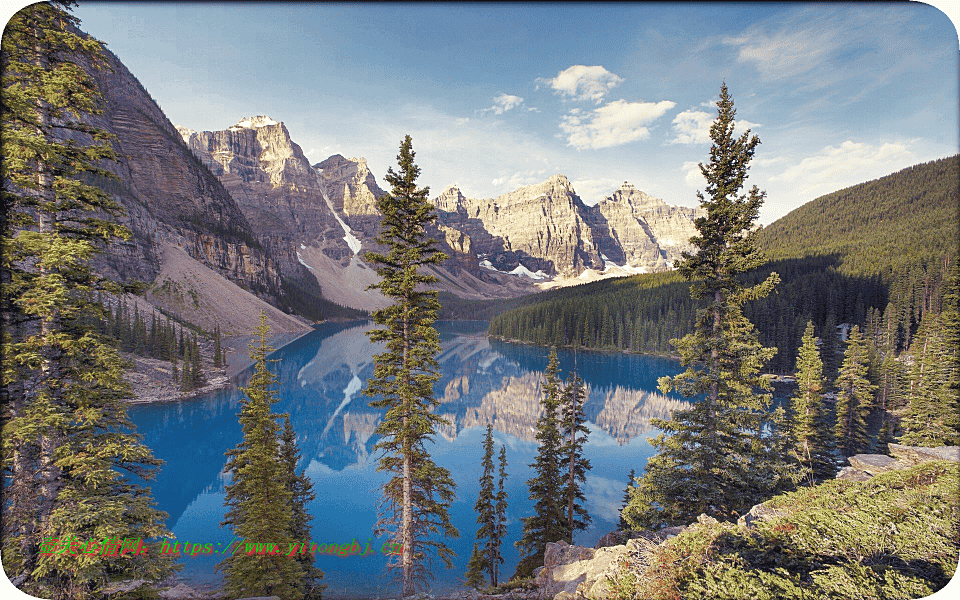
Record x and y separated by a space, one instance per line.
325 216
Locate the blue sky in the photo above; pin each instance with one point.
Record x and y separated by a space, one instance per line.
497 96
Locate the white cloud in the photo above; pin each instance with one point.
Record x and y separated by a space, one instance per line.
592 191
836 167
462 120
584 83
614 124
693 176
521 178
787 54
503 103
692 127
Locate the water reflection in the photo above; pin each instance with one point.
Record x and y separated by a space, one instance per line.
321 377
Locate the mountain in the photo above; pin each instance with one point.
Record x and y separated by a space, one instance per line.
187 229
871 253
545 231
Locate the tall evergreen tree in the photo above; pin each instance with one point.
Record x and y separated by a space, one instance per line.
301 493
217 348
548 523
417 497
574 464
500 510
259 500
813 440
711 457
854 396
66 442
491 509
626 499
930 417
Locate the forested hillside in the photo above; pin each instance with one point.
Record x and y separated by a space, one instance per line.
873 255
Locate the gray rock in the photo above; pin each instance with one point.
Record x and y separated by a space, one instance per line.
916 455
853 474
874 464
180 592
759 513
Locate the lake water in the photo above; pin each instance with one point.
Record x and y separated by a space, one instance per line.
321 376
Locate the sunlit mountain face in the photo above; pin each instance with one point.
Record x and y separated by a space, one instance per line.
321 378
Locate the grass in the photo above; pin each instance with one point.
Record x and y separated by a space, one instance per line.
896 535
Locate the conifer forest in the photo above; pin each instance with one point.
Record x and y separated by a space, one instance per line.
801 417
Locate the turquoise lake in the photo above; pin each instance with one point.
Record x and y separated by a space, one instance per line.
321 376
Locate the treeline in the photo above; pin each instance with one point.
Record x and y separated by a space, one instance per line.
162 340
874 255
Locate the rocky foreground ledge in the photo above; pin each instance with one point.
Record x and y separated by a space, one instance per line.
613 570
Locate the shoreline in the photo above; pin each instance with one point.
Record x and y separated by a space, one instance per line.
151 380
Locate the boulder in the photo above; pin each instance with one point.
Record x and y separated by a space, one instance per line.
571 572
853 474
874 464
760 512
914 455
180 592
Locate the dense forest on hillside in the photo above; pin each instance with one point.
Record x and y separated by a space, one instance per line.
873 255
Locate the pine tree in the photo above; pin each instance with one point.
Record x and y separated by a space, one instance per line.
217 349
258 498
813 440
66 441
500 510
712 458
930 417
623 525
475 568
301 493
575 465
854 396
491 511
548 523
417 497
196 364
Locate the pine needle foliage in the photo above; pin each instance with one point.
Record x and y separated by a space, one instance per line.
574 433
68 451
548 523
416 500
301 493
812 437
712 457
854 397
491 507
622 525
259 498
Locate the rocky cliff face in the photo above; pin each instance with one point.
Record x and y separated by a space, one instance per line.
541 227
274 184
171 199
546 227
641 231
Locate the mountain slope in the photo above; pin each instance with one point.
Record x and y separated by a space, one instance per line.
848 257
879 226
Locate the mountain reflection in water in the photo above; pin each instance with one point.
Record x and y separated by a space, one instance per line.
321 377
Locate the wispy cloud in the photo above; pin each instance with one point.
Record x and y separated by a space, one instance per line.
692 174
850 163
584 83
592 191
614 124
503 103
520 179
693 127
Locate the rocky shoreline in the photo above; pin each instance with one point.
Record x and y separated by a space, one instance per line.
151 380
